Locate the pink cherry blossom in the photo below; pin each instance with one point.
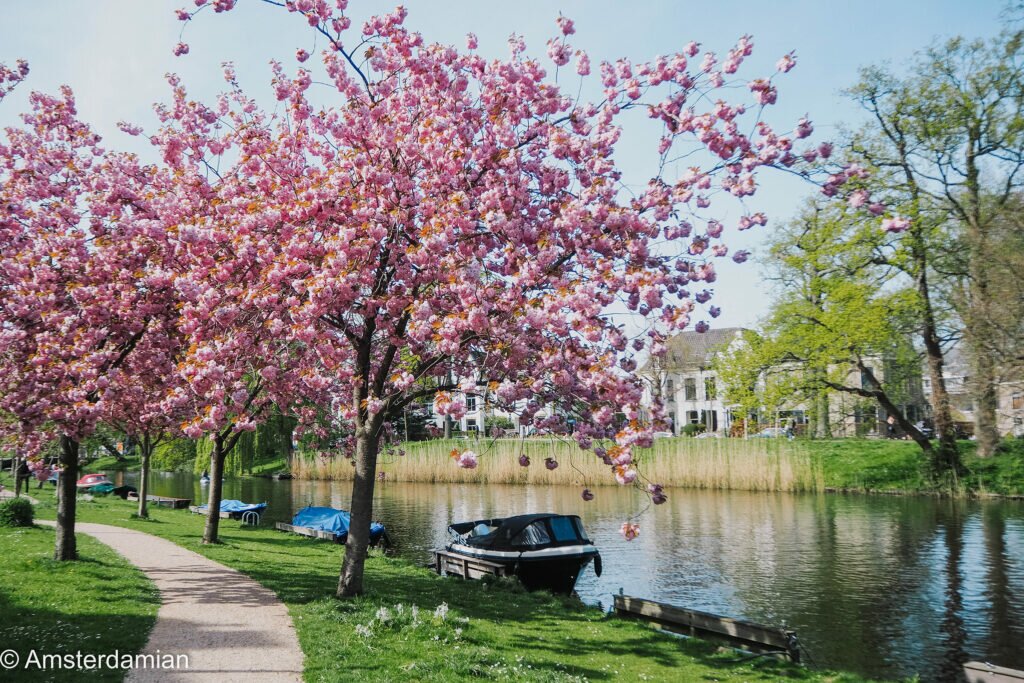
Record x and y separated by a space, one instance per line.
896 224
629 530
786 63
467 460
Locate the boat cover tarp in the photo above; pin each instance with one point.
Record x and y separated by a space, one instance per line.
514 533
330 520
237 506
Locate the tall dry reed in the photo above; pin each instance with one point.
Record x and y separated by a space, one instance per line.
750 465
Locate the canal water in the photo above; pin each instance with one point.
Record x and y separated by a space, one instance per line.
883 586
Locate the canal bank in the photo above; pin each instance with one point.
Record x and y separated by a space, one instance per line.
413 625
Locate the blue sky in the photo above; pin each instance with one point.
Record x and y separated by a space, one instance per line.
114 54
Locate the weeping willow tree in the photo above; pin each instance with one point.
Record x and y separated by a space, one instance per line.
271 440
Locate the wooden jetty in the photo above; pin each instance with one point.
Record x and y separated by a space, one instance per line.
197 510
738 633
982 672
307 531
164 502
465 567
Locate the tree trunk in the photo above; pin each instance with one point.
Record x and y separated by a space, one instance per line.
941 414
983 381
65 548
216 485
980 304
147 450
350 583
822 426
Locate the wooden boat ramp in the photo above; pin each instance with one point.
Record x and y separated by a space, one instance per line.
734 632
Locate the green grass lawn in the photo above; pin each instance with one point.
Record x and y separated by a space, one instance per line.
270 467
96 605
886 465
415 626
109 462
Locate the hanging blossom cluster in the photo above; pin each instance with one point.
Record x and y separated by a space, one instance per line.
438 226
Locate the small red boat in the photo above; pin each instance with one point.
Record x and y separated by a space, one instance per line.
90 480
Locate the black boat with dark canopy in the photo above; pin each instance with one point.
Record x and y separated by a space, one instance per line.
545 551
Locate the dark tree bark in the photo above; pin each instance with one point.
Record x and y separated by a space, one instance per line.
65 548
216 487
350 583
877 393
146 447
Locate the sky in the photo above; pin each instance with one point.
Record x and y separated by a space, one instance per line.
115 53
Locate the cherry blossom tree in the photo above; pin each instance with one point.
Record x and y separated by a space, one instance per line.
448 224
76 274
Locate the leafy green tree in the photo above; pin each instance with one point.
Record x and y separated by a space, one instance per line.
946 142
840 323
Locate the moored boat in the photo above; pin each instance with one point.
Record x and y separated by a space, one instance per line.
92 480
233 509
545 551
329 523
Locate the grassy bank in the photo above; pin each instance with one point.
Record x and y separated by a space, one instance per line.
888 465
737 464
96 605
751 465
415 626
108 463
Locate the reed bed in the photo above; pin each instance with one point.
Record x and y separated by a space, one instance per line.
738 464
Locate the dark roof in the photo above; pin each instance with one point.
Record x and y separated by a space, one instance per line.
697 349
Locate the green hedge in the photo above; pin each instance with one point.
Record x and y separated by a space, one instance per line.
16 512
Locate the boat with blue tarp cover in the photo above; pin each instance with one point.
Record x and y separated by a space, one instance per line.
233 508
325 521
545 551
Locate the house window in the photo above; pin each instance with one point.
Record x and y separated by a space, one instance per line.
1017 401
692 417
471 403
470 425
690 389
670 389
710 389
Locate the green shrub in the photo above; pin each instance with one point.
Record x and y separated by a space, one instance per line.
692 429
16 512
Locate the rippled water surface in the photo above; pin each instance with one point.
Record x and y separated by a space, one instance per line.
884 586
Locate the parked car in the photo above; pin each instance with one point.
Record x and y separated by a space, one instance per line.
708 435
663 435
771 433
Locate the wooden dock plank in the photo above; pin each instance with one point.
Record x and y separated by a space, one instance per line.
748 634
307 531
981 672
196 510
465 567
161 501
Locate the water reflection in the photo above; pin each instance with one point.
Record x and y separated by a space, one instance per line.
883 586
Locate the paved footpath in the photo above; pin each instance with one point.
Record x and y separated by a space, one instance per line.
230 627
